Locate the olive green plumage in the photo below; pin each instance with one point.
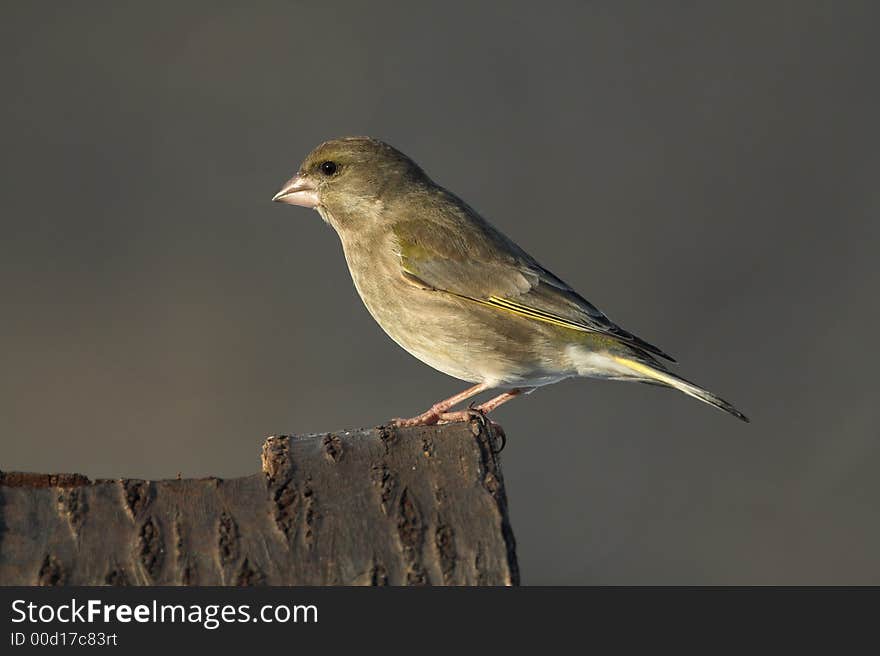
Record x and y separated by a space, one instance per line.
453 290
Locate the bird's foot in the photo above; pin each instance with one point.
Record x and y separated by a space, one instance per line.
473 411
434 413
461 415
427 418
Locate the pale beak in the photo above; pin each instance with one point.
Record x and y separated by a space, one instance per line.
298 191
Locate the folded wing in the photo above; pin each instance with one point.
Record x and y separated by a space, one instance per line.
456 251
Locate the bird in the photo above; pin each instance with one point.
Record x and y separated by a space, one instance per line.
455 292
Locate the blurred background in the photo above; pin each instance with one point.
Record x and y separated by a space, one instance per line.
707 175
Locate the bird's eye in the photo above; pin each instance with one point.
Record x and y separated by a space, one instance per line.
328 168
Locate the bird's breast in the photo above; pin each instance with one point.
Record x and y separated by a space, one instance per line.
456 336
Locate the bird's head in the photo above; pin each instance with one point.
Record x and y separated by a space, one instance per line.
351 178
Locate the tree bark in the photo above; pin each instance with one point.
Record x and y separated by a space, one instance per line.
376 507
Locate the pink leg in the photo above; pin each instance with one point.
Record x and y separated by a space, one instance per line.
485 408
432 415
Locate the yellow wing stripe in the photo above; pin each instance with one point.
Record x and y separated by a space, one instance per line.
533 313
518 309
528 312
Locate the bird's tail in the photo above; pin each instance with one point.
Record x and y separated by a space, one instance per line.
654 374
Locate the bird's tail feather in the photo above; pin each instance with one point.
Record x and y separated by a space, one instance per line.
663 377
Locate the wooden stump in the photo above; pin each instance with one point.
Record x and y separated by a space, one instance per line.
385 506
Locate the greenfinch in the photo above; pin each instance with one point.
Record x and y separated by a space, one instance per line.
455 292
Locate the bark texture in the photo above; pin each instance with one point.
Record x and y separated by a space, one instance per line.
385 506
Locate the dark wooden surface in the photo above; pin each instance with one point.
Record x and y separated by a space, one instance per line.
375 507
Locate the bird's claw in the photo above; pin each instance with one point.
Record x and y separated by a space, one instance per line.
496 428
476 413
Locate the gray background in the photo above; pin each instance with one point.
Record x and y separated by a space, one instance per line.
706 175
